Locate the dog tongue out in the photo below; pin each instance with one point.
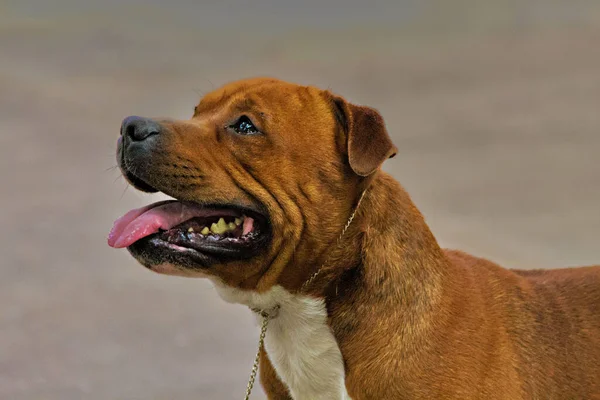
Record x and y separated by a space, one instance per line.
164 215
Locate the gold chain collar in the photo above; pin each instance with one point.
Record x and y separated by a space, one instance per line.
272 313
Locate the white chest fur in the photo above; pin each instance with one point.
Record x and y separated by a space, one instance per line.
299 342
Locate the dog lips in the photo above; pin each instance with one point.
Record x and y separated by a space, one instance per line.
164 215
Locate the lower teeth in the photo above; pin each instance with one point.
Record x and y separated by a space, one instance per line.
213 237
225 231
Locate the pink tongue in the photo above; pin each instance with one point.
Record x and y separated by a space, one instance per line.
121 224
145 221
137 224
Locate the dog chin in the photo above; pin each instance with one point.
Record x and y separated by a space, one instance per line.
170 269
163 266
166 268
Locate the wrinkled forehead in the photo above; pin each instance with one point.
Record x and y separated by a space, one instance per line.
267 96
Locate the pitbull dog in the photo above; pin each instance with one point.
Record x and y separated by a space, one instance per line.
268 179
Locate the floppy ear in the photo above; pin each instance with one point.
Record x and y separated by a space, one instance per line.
368 143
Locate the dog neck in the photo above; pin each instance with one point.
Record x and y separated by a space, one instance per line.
388 241
393 252
397 245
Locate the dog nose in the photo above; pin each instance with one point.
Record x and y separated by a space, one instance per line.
138 129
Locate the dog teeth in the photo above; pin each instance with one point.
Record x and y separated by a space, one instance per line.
220 227
205 231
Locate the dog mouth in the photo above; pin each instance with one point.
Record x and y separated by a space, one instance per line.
189 234
184 224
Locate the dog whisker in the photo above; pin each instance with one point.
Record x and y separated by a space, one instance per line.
125 190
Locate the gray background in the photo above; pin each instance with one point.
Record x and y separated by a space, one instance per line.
493 106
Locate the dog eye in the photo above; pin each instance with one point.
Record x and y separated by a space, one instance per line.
244 126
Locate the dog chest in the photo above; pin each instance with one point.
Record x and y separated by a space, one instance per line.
304 352
299 343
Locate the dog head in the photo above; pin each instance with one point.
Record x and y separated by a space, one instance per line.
265 175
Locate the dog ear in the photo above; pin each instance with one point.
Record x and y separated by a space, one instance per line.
367 141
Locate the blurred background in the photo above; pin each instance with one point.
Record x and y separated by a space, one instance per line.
494 106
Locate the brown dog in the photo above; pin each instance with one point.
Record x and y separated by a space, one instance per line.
267 175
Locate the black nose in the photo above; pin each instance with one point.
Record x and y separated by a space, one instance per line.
139 128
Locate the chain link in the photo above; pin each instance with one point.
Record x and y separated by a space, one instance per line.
266 317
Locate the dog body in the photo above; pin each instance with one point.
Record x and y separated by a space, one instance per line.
389 314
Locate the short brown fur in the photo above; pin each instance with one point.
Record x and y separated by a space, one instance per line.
413 321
